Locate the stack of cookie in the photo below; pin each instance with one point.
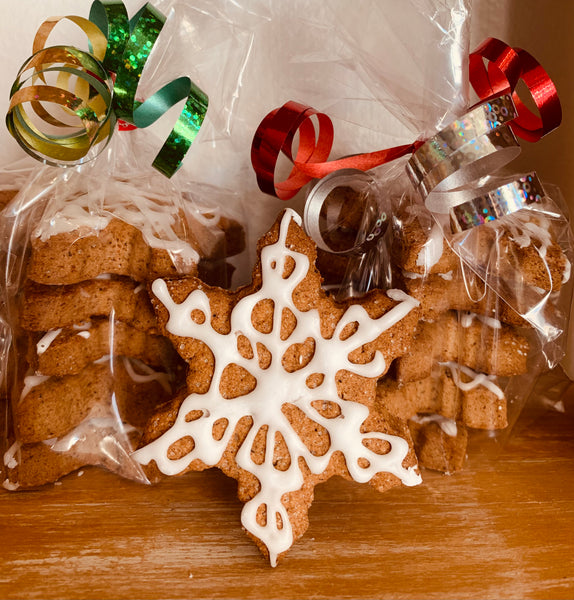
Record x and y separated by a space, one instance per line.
473 356
470 347
91 366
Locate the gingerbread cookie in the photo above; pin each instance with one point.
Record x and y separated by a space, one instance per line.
454 291
52 406
281 386
97 441
217 236
68 350
526 251
452 391
480 343
440 443
136 234
118 249
47 307
419 244
524 244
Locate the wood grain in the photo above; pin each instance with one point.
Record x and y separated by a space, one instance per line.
503 528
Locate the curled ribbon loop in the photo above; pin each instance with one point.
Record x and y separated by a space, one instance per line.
276 133
496 203
506 67
87 111
469 148
119 49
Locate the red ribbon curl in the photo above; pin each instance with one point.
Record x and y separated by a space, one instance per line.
506 67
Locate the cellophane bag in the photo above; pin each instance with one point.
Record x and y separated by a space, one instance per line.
494 300
478 352
332 58
83 366
86 366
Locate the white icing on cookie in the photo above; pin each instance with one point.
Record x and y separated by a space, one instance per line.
10 460
448 276
104 359
47 340
30 382
276 387
567 272
84 334
532 231
467 318
411 275
447 425
146 373
432 249
476 379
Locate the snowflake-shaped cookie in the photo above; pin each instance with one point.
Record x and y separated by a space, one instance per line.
281 386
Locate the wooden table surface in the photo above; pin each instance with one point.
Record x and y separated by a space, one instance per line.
502 528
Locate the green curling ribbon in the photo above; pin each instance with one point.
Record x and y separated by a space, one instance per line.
112 19
129 44
138 37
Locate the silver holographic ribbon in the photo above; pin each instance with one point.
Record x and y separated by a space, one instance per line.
452 170
376 219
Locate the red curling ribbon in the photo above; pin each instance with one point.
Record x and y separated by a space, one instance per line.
502 73
506 67
275 134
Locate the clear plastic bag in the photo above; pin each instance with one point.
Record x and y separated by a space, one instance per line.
79 246
475 357
86 366
346 67
493 351
495 298
526 259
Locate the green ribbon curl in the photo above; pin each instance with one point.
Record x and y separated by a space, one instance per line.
129 46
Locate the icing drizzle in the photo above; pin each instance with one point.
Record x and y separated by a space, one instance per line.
447 425
30 382
467 318
146 373
47 340
276 387
80 208
476 379
10 459
432 249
